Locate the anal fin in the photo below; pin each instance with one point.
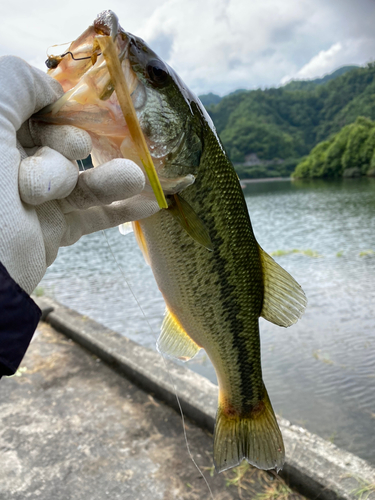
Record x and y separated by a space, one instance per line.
284 300
174 341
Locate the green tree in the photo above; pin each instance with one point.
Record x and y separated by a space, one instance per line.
353 154
302 170
333 166
367 151
350 152
313 165
288 122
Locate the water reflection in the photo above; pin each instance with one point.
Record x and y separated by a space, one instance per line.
321 372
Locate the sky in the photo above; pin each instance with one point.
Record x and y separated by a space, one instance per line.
214 45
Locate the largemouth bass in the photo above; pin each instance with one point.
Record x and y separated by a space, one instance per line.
214 277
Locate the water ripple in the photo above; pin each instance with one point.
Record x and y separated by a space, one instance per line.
321 372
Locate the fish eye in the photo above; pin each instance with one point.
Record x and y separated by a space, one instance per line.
157 72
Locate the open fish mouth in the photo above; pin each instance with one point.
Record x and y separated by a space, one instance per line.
85 50
83 74
92 101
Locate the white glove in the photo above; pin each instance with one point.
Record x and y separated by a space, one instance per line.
44 202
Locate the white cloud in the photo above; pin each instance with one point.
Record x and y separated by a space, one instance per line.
223 44
324 62
215 45
352 51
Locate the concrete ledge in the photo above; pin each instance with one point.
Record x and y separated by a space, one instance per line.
315 467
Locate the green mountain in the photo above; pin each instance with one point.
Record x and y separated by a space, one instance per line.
349 153
310 84
208 99
268 126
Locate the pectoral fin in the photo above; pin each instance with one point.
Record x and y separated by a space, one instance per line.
284 300
177 184
174 341
189 220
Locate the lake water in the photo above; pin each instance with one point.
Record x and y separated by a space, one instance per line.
320 373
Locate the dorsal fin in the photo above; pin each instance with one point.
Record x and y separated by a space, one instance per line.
284 300
173 339
189 220
139 236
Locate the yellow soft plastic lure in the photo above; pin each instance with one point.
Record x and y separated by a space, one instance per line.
123 96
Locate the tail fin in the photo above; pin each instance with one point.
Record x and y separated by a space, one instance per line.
256 438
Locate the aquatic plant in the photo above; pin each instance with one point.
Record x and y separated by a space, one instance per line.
307 253
318 355
366 253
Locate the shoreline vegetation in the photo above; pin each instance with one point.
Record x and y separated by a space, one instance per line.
349 153
272 132
265 179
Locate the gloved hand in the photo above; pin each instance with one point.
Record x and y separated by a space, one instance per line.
44 202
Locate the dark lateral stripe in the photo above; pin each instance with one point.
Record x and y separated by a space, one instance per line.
216 173
247 347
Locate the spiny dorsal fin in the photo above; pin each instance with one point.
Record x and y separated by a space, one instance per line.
284 300
139 236
174 341
189 220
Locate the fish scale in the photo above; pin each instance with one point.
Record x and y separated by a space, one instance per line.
225 317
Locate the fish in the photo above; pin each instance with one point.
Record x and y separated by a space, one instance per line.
215 278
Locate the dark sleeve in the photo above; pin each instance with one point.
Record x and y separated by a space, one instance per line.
19 316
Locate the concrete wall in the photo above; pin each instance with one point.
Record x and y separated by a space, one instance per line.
315 467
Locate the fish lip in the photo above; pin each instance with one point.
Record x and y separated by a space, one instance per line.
107 23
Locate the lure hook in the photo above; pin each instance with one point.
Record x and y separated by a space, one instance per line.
53 61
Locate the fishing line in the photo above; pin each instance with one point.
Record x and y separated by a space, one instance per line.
165 364
162 355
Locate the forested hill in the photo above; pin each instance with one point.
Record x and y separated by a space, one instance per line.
349 153
287 122
311 84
